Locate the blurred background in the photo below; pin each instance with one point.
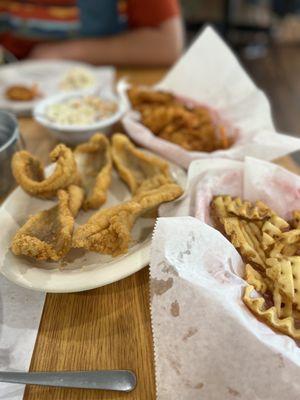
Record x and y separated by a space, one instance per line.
266 36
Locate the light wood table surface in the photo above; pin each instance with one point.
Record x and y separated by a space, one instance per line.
104 328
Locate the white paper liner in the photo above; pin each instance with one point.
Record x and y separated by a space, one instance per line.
210 74
20 314
207 343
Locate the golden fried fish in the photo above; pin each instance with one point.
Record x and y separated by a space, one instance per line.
139 170
151 199
76 197
108 231
48 234
29 172
94 164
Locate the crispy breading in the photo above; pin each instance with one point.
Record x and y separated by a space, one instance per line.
153 198
76 197
137 169
48 234
94 164
153 183
29 172
167 119
138 95
108 231
195 128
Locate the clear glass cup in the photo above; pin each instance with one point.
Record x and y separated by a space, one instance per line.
10 141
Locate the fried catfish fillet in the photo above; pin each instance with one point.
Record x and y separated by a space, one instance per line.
140 171
29 172
108 231
48 234
151 199
94 164
76 198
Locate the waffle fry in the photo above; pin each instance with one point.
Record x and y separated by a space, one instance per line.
295 263
271 248
269 315
275 226
219 210
280 272
255 279
295 222
243 237
291 237
249 211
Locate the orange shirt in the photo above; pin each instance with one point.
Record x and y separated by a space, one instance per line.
23 23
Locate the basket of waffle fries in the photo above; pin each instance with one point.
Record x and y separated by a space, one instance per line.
205 107
237 262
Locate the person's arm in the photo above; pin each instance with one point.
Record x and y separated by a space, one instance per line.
144 46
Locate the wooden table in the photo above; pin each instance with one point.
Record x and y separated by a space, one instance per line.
108 327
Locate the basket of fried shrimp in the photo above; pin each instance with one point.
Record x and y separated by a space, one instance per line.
206 106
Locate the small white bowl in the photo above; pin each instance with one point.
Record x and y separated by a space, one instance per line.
74 134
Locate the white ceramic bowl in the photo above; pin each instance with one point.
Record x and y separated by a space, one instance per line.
74 134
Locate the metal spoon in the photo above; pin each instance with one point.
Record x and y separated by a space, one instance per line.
120 380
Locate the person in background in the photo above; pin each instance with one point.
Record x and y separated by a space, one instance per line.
121 32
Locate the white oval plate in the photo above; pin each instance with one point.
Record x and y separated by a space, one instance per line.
47 75
81 270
